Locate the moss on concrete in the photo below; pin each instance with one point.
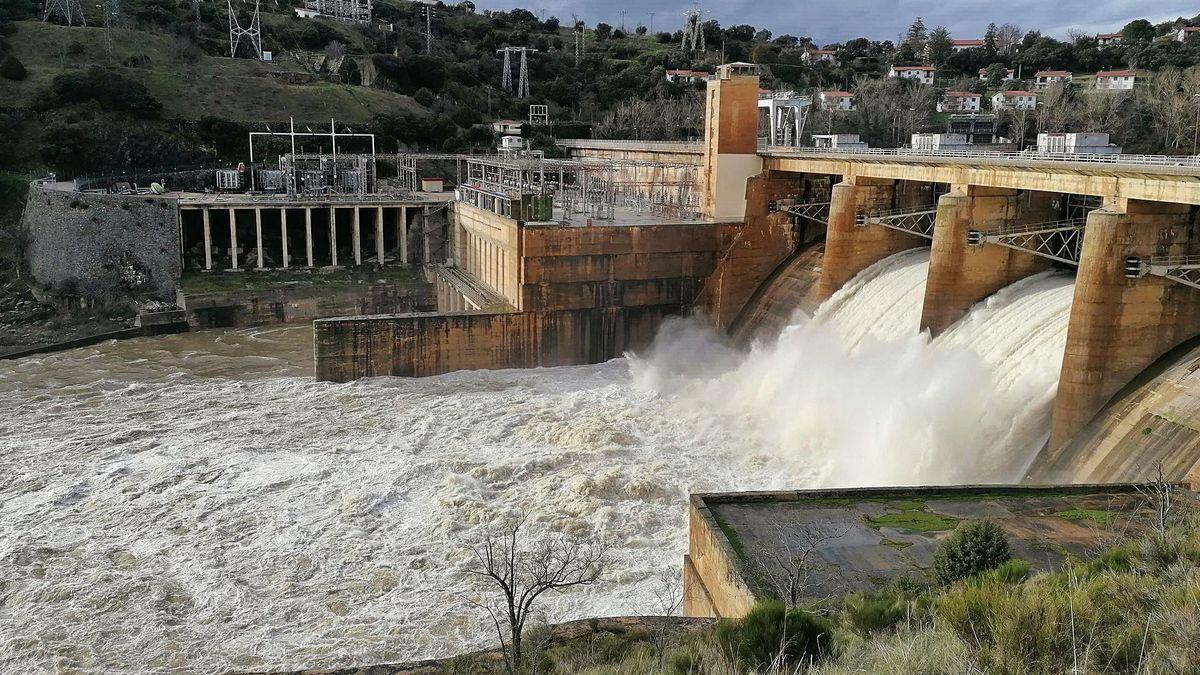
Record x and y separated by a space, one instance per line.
895 543
1097 516
731 536
913 521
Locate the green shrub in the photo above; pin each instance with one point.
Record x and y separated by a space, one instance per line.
1012 571
904 600
12 69
773 633
974 547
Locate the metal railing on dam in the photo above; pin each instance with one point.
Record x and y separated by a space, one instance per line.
1014 158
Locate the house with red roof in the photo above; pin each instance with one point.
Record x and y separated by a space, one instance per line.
960 101
922 74
1116 80
1014 100
1045 78
837 100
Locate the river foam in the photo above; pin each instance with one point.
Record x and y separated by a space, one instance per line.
196 503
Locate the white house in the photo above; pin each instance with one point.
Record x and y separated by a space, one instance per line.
960 101
1104 39
1009 74
838 142
1045 78
837 100
820 56
1115 79
922 74
1016 100
1092 143
963 45
507 127
687 76
1186 32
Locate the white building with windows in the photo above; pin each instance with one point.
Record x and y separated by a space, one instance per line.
963 45
1116 80
839 142
1045 78
1092 143
940 142
1014 100
1105 39
837 100
820 56
1009 74
686 76
922 74
960 101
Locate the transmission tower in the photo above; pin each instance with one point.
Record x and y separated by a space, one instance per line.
252 32
693 29
69 10
523 77
112 18
428 29
196 9
578 46
523 84
506 77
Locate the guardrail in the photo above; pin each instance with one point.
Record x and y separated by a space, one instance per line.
605 144
1013 157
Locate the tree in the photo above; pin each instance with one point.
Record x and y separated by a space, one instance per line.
641 30
12 69
1008 36
523 571
974 547
785 571
989 38
603 31
939 47
1137 31
997 73
915 37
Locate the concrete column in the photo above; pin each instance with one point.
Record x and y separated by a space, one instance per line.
730 143
962 275
356 236
332 236
425 235
850 249
283 235
403 235
379 235
258 235
1120 326
233 246
207 239
308 240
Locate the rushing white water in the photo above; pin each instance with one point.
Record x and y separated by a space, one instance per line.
196 503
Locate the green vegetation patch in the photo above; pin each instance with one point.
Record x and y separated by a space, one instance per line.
913 521
1096 516
731 535
896 543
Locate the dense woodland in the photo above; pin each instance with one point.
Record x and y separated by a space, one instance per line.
95 108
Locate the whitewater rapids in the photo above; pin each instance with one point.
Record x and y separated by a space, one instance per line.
197 503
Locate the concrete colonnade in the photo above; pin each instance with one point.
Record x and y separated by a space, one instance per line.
378 214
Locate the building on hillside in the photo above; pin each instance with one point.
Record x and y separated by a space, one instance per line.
1009 74
963 45
979 128
686 76
1186 32
838 142
1014 100
960 101
837 100
1105 39
820 56
1116 80
922 74
508 127
940 142
1093 143
1045 78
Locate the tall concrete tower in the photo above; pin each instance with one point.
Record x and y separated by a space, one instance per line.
730 140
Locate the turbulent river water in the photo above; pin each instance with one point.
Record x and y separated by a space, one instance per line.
197 503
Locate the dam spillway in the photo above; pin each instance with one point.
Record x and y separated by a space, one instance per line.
162 485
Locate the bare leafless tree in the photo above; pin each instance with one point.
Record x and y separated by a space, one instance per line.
787 569
523 570
1008 37
1160 492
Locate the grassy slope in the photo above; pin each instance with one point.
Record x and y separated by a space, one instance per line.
240 90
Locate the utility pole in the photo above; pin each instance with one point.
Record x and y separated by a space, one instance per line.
1196 131
651 23
578 45
622 13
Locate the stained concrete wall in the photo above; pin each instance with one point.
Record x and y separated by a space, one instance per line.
488 247
714 582
1120 326
417 345
102 246
292 305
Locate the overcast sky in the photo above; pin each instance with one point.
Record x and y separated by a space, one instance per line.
838 20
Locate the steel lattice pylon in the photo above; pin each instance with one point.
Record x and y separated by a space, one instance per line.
70 10
523 76
253 32
1060 240
919 222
